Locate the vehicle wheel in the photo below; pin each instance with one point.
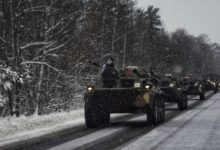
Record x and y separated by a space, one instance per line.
183 103
156 114
95 114
202 95
162 111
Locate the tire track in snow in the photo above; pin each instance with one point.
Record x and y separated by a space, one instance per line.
134 127
160 135
101 134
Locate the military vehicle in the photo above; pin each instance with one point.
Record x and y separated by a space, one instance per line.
194 85
132 92
211 82
174 92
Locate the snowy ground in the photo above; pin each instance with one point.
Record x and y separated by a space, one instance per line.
14 129
13 125
196 129
89 138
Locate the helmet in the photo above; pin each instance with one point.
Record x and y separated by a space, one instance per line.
109 61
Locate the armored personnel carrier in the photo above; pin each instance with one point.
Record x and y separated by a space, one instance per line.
174 92
130 92
211 82
194 85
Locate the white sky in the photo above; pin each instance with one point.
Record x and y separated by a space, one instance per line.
196 16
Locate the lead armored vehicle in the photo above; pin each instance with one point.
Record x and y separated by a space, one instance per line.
131 92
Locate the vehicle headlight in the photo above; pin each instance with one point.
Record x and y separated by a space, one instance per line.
147 88
214 83
137 84
171 85
196 84
90 89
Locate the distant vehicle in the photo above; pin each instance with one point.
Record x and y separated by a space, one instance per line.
212 82
133 92
174 92
194 85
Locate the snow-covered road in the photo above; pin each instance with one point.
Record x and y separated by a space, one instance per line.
196 128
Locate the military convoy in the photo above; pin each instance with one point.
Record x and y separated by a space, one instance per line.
138 91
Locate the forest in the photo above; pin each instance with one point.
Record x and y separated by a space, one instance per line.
47 46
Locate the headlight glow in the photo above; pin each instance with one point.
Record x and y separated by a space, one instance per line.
171 85
196 84
147 86
90 89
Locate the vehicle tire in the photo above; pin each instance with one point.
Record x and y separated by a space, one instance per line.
183 103
156 114
162 112
95 114
202 96
216 90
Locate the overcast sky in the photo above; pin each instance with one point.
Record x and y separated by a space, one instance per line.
196 16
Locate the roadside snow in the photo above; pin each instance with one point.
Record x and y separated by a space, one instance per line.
16 130
11 125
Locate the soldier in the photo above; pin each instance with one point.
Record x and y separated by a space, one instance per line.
109 73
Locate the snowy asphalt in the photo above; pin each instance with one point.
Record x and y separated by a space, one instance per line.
194 129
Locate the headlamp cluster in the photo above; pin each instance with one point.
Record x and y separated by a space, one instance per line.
147 87
213 83
90 88
171 85
196 84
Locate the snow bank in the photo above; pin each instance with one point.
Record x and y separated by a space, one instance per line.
15 130
12 125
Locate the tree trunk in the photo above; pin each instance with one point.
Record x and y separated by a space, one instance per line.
124 50
103 30
38 98
16 57
114 29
